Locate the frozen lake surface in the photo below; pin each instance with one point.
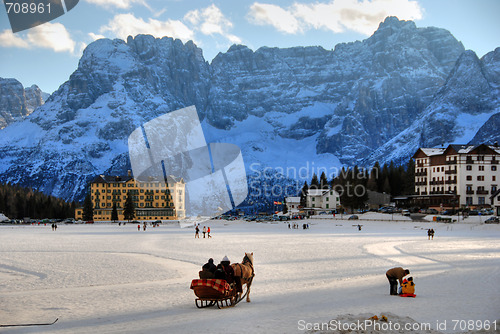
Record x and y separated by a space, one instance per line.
105 278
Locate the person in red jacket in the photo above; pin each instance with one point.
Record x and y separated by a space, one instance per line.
394 275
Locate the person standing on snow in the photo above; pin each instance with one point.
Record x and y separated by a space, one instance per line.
394 275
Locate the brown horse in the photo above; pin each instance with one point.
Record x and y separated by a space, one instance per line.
245 272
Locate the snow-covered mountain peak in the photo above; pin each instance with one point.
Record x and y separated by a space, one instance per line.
287 108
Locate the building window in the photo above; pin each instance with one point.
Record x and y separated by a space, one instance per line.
493 178
480 177
468 200
481 168
480 201
468 167
493 168
327 206
469 178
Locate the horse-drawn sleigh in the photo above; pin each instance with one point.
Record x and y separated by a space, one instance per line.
218 292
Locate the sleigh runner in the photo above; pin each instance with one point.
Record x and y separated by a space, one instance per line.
212 292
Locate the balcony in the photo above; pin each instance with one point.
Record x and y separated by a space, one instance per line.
420 183
469 192
451 171
451 181
494 162
433 183
421 174
482 192
451 162
469 161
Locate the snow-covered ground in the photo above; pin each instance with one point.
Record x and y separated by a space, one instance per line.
114 279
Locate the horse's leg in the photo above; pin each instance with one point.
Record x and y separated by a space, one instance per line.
248 291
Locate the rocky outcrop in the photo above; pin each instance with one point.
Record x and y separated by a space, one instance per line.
16 102
379 98
466 109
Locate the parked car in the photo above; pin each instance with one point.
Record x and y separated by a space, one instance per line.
492 220
353 217
406 213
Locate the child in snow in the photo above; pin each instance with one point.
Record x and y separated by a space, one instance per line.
408 288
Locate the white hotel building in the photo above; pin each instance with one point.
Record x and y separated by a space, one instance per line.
457 176
317 200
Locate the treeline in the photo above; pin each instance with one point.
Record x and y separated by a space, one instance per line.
17 202
352 183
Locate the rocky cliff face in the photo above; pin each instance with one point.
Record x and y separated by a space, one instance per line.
465 110
285 108
16 102
83 129
374 88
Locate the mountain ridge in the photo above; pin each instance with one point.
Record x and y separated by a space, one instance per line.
292 107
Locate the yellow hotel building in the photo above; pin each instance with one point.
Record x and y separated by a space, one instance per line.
152 201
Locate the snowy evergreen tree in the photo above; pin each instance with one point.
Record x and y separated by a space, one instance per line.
114 213
88 209
303 195
129 208
315 182
323 181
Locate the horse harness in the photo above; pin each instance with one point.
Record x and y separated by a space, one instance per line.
250 264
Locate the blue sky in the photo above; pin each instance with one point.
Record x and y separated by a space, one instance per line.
47 55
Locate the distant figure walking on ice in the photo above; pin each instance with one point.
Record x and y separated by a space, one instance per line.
430 234
139 227
197 232
204 231
208 231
